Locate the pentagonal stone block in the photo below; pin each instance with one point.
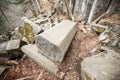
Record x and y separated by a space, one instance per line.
54 42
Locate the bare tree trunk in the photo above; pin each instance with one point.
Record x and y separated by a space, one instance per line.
69 11
41 3
36 6
73 6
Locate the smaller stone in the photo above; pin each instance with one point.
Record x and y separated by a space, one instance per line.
25 40
94 51
3 47
36 28
98 28
3 52
61 75
13 44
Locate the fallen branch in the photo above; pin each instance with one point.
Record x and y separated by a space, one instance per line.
8 62
39 76
100 17
24 78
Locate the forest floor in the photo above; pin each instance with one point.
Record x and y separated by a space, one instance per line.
70 67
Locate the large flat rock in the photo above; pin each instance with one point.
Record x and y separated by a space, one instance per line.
31 51
54 42
99 67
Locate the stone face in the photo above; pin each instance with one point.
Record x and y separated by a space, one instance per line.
113 56
32 52
3 52
13 44
99 67
36 28
54 42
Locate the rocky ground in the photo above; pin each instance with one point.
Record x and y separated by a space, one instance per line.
102 37
70 67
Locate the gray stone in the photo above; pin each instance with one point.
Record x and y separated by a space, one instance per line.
99 67
113 56
3 52
36 28
54 42
31 51
13 44
3 47
2 69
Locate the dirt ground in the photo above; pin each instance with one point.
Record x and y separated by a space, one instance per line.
70 68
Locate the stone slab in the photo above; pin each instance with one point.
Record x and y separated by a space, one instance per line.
54 42
31 51
13 44
98 67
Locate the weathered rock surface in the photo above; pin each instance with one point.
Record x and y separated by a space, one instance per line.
110 37
13 48
31 51
99 67
15 9
3 47
3 52
13 45
113 56
54 42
